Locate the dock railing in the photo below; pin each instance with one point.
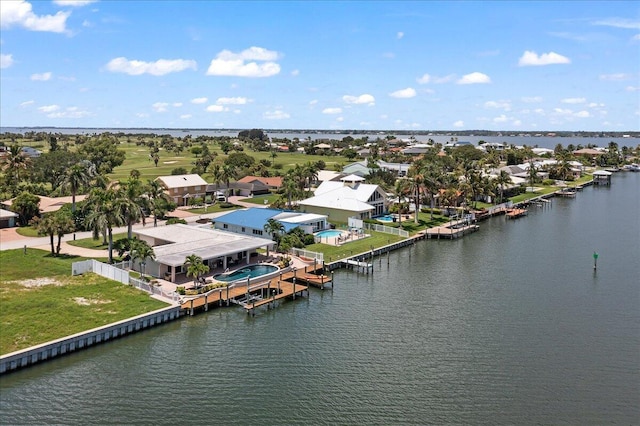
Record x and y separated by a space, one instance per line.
307 253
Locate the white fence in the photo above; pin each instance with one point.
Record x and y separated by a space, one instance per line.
308 254
386 230
120 275
108 271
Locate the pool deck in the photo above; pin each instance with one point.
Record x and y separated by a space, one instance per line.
289 284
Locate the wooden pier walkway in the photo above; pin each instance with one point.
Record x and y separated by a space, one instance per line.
451 230
516 213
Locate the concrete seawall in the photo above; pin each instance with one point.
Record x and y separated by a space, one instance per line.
36 354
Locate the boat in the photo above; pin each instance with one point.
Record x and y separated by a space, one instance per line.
631 167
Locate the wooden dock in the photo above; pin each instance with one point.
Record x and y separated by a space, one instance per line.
287 285
516 213
451 231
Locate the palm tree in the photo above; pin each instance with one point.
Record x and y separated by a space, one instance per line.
134 209
290 187
143 251
502 180
216 175
275 229
15 162
159 201
229 172
77 177
195 267
107 213
402 188
532 173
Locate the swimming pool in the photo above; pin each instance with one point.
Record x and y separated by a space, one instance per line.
386 218
328 233
250 271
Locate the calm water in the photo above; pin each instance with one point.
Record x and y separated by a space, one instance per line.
542 142
509 325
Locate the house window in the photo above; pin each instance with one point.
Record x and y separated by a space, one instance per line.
243 229
257 232
197 188
178 269
225 226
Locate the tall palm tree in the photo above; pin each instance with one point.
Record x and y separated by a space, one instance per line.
143 251
502 180
107 213
216 175
14 163
159 201
275 229
403 187
290 187
77 177
138 202
195 267
229 172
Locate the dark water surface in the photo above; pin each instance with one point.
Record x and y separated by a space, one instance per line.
509 325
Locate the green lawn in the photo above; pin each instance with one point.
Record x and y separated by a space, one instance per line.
332 253
217 207
27 231
34 315
260 199
90 243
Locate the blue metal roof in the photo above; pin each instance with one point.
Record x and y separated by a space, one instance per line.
251 218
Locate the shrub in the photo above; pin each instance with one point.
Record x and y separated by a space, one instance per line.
226 205
173 220
309 239
180 290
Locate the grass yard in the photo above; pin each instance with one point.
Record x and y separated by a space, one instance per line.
260 199
43 303
332 253
90 243
27 231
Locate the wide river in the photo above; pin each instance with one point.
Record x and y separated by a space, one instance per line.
509 325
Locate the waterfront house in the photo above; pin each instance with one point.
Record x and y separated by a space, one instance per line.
252 221
218 249
347 198
183 187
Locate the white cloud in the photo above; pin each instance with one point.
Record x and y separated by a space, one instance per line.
6 60
177 104
632 88
530 58
295 73
202 100
615 77
313 102
458 124
582 114
45 76
426 78
142 115
539 111
160 106
340 119
362 99
232 101
228 63
216 108
409 92
332 111
49 108
505 105
159 67
532 99
21 14
185 116
501 119
474 78
619 23
516 122
573 100
275 115
69 112
73 3
399 35
27 103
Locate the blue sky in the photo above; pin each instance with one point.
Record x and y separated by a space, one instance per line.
517 66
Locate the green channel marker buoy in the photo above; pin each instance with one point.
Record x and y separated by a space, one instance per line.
595 260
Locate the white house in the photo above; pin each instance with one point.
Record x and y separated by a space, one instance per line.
347 198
